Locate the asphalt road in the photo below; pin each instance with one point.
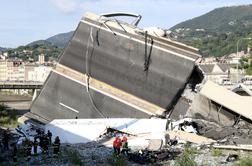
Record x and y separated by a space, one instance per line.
20 103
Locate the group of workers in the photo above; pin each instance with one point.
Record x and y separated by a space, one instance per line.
44 141
120 145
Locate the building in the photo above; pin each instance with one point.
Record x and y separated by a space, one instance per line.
29 67
28 52
17 70
41 59
215 72
234 58
11 70
5 54
38 73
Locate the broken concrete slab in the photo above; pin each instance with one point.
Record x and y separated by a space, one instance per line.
190 137
107 71
226 98
203 108
220 133
234 147
155 144
86 130
239 88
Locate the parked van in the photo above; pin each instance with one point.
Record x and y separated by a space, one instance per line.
225 81
247 80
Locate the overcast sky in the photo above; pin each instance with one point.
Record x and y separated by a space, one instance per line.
24 21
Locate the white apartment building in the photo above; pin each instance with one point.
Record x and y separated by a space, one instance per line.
11 70
41 59
16 70
39 73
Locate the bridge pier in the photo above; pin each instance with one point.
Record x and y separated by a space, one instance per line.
35 93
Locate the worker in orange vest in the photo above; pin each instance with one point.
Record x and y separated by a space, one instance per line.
125 148
117 145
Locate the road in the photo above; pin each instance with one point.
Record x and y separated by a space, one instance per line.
20 103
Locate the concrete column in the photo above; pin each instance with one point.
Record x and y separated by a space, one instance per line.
35 93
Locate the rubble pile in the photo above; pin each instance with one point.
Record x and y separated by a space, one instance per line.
223 139
203 141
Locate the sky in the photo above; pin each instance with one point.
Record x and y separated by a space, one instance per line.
25 21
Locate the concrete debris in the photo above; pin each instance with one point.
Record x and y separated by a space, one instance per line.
150 157
86 130
155 144
184 125
232 158
234 147
234 102
190 137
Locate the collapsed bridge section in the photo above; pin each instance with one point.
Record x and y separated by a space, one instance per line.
116 70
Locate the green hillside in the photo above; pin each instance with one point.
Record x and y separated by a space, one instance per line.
61 39
217 32
51 47
2 49
39 47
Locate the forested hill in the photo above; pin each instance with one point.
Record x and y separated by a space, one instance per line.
2 49
61 39
217 32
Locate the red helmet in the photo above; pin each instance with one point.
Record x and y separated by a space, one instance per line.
124 138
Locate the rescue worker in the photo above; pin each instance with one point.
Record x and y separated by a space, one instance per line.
6 140
35 147
125 148
46 144
14 155
117 145
28 148
41 140
49 135
56 146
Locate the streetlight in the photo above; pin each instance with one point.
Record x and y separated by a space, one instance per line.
237 50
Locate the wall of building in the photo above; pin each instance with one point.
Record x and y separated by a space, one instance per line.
39 73
12 70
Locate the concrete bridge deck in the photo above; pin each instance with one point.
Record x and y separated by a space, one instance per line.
20 85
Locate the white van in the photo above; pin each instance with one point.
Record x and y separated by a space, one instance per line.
225 81
247 80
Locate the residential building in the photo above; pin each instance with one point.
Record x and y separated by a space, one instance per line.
39 73
215 72
11 70
41 59
17 70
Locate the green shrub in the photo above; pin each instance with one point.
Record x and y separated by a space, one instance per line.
216 152
74 157
187 158
247 161
8 117
114 160
94 156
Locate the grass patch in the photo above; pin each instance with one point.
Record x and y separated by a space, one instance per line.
94 157
8 117
114 160
188 157
249 71
74 157
247 161
216 152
